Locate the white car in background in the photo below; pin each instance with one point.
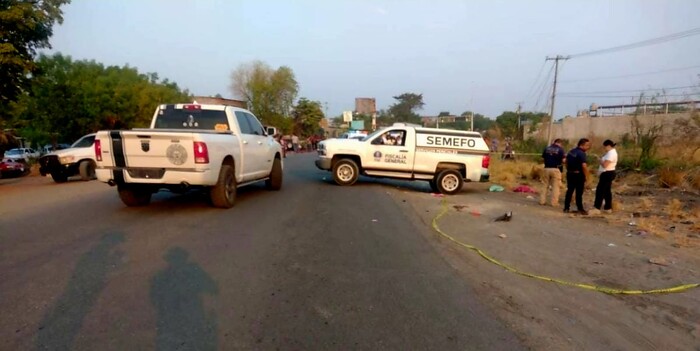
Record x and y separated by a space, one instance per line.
23 153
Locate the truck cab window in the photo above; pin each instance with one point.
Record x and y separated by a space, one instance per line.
243 123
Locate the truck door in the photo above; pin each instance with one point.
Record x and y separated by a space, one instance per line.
390 153
250 150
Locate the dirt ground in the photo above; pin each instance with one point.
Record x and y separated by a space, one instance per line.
599 250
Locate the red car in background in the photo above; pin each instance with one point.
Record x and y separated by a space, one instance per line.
13 167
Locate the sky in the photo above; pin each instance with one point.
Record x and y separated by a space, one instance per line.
484 56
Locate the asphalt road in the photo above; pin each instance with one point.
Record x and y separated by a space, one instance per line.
314 266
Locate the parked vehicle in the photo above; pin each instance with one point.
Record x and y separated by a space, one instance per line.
78 159
444 158
21 153
217 148
13 167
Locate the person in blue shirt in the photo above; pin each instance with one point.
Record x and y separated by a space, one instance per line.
554 157
577 175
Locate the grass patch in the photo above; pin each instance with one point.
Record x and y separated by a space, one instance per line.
670 177
645 204
512 173
653 225
674 209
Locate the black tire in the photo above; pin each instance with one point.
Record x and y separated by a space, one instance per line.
87 170
59 177
433 186
134 196
449 182
275 180
345 172
223 194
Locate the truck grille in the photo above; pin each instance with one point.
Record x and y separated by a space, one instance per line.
148 173
49 162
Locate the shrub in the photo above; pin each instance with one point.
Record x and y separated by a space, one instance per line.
670 177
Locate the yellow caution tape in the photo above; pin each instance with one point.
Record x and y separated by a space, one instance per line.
675 289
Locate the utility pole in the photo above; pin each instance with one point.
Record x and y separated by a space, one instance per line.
554 93
517 112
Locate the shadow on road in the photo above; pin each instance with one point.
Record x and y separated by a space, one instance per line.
176 293
60 326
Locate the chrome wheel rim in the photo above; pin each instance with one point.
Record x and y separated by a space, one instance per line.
450 182
345 173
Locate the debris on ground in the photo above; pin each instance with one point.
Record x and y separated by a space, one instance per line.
475 213
437 195
375 220
612 245
506 217
633 224
496 188
459 207
502 236
524 189
661 261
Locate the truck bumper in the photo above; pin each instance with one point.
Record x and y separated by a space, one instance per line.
324 164
204 177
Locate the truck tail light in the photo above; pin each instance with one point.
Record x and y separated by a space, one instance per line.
201 154
98 150
486 161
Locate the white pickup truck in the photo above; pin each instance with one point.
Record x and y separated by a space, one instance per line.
445 158
217 148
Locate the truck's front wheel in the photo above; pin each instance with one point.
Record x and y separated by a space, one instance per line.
87 170
223 194
345 172
449 182
134 196
275 180
59 177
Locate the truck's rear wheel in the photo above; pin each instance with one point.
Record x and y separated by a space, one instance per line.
59 177
275 180
345 172
87 170
223 194
449 182
133 195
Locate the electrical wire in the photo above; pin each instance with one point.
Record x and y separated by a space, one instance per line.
622 96
539 75
627 91
543 89
629 75
639 44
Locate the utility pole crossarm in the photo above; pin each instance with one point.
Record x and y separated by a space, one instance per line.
556 60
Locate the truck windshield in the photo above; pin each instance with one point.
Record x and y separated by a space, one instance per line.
179 118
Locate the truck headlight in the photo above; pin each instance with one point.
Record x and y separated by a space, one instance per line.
66 159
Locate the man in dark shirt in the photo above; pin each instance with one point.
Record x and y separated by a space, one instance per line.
553 156
576 175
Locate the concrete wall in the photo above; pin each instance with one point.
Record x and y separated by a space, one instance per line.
573 128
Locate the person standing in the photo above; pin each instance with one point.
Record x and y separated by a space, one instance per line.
606 174
577 175
295 143
553 156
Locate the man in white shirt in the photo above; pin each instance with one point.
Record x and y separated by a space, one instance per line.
606 174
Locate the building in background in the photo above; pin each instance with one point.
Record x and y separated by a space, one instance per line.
367 106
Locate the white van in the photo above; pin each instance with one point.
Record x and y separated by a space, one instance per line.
445 158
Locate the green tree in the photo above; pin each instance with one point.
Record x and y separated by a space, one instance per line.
25 27
508 122
68 99
307 115
270 93
481 122
404 109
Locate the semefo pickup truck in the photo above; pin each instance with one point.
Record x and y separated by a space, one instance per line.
217 148
445 158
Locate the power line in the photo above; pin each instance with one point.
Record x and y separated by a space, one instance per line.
623 96
627 91
543 88
539 75
630 75
648 42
